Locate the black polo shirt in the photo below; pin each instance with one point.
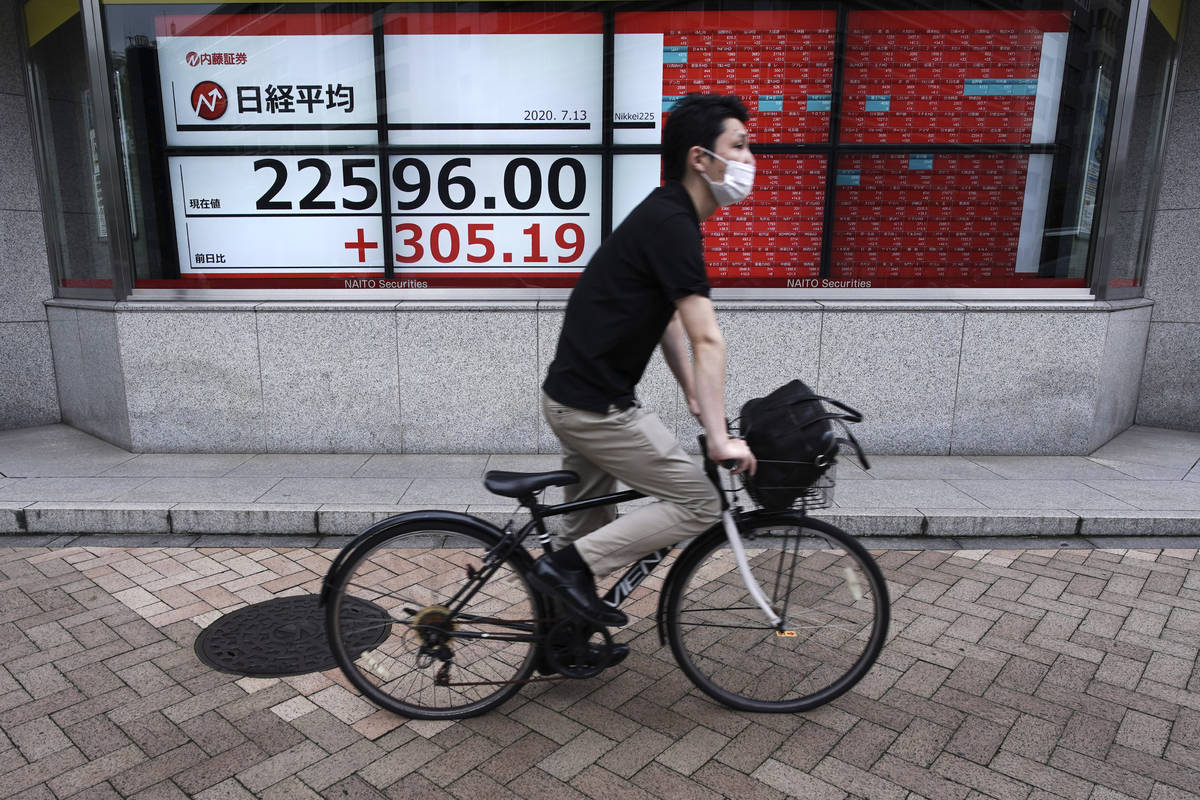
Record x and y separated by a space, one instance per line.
624 299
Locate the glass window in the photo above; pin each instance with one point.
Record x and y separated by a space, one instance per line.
75 203
493 146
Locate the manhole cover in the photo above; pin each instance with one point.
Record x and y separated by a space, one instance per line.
285 636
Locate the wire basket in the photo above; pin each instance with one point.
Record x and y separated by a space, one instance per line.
818 494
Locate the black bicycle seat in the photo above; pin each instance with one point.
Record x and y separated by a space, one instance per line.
523 484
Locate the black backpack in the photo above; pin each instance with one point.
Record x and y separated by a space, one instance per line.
792 435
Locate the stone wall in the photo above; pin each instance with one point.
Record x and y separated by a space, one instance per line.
943 377
27 387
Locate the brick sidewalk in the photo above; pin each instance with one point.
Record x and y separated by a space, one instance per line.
1009 674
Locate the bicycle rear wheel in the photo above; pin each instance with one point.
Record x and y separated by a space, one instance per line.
413 637
828 589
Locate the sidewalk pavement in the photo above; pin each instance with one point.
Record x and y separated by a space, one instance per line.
1024 668
1009 673
56 480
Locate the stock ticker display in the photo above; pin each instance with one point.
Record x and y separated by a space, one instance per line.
482 161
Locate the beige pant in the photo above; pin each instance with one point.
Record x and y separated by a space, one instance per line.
635 447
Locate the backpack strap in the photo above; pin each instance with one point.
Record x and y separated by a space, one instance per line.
857 447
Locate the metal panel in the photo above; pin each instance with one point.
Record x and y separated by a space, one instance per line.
111 178
1118 146
1160 150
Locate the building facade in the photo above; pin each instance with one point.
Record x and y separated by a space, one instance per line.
974 225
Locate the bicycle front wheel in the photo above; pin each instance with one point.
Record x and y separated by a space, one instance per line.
822 582
417 633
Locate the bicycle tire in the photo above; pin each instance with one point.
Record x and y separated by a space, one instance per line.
829 590
408 570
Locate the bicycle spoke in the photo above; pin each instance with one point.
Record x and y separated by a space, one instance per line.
829 636
477 628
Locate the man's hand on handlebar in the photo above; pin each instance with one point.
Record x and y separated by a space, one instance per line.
734 454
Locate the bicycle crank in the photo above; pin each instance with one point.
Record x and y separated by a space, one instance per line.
572 650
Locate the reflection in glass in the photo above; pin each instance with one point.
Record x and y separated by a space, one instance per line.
907 147
75 201
1130 237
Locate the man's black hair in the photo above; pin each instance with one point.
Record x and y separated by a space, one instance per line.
696 119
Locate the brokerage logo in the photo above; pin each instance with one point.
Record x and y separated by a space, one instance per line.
193 59
209 100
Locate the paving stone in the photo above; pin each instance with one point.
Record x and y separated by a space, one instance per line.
96 770
499 728
637 751
1067 679
805 747
974 675
344 705
597 782
1186 731
352 787
754 745
520 756
38 738
160 791
460 759
977 740
1169 670
858 782
289 789
863 745
1097 771
535 784
326 730
226 790
732 783
571 758
921 742
1036 774
417 787
1033 738
29 775
537 716
340 765
1163 792
670 785
42 681
980 778
923 679
1071 673
97 736
390 768
212 732
280 766
1144 732
220 768
794 782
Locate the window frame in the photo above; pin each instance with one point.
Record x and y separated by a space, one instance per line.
1103 259
118 213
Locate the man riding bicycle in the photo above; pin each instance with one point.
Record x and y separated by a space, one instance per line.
646 285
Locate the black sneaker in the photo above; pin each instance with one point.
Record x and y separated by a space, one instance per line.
577 592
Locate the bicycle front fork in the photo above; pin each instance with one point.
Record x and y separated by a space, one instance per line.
739 555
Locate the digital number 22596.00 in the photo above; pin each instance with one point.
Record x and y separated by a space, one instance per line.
522 181
445 244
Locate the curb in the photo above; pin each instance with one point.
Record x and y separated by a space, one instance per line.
309 520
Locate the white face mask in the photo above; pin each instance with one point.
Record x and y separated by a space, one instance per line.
739 180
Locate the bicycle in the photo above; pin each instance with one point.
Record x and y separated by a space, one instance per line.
429 613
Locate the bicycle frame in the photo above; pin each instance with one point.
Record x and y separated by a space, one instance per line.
539 512
642 568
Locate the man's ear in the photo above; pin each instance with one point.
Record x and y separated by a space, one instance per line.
695 158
